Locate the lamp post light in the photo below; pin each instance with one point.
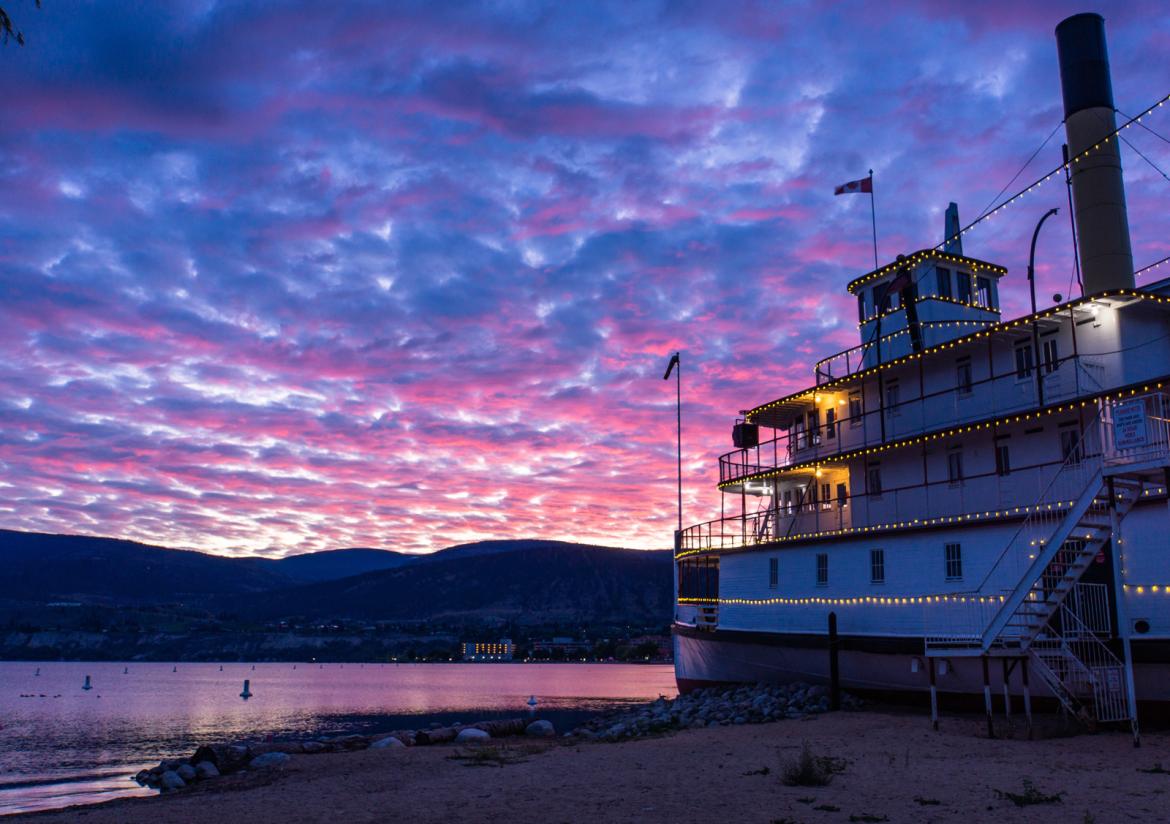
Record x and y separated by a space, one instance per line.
1032 290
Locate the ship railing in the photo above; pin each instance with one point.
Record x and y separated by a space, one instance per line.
1136 430
960 619
974 498
944 407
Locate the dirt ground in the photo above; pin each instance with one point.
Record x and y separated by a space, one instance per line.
892 767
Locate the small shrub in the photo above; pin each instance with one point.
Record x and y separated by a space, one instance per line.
810 770
1156 769
866 818
927 802
827 808
1029 796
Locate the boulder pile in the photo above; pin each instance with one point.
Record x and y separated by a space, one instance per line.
214 760
714 707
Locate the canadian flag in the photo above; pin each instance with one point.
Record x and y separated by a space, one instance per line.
855 187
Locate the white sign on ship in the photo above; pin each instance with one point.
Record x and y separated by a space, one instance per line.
1129 425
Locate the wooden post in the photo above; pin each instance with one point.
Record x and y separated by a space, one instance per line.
931 663
834 670
1027 695
987 693
1007 696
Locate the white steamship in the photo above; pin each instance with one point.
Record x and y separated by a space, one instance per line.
979 505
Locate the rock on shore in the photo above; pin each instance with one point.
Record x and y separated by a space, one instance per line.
714 707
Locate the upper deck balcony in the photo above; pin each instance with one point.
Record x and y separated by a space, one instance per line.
1071 351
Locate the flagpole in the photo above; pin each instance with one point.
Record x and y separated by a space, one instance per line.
675 366
873 220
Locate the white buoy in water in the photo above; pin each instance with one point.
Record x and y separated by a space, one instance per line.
87 685
125 670
175 668
247 693
38 672
532 702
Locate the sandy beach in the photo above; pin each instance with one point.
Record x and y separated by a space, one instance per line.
895 768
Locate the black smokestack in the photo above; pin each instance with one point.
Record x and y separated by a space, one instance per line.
1097 187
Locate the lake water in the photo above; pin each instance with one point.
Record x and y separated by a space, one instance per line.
61 744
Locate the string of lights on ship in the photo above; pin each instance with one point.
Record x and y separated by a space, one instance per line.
893 600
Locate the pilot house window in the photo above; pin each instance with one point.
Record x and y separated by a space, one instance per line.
944 283
964 281
983 291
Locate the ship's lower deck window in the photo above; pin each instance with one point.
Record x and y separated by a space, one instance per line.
822 569
855 410
955 467
1003 460
963 381
698 578
873 479
773 572
954 562
877 566
1070 446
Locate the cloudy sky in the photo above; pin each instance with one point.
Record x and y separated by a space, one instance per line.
280 277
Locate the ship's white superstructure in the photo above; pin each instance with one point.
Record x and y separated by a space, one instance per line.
972 502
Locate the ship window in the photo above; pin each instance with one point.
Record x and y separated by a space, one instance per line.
830 423
873 479
892 397
861 307
773 572
855 410
1070 446
1049 359
812 497
963 380
799 427
1023 361
788 501
944 283
826 496
877 566
954 562
814 427
842 496
983 290
1003 460
963 279
822 569
955 467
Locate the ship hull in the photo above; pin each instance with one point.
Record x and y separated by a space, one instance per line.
889 667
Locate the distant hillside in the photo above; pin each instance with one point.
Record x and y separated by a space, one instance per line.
339 563
525 581
40 567
529 581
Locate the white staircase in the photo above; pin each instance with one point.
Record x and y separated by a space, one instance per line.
1020 609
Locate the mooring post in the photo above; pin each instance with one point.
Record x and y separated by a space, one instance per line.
1007 696
1027 695
987 694
930 666
834 671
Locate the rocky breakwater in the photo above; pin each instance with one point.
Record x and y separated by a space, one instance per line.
213 760
712 707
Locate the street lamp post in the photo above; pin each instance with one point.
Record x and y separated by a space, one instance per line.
1032 289
675 366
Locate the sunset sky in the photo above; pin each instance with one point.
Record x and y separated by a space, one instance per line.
285 277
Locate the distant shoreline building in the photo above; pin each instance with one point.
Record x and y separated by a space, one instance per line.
479 651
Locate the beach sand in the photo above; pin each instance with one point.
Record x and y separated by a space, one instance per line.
895 768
